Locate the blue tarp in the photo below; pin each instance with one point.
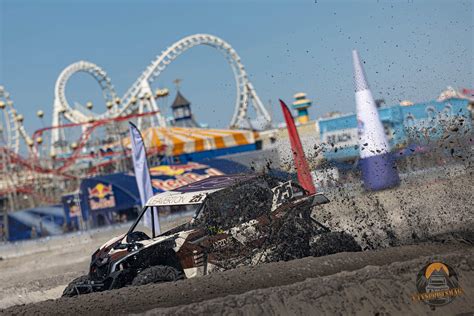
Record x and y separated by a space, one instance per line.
46 220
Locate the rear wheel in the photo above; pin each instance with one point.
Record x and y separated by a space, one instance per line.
333 242
77 286
157 274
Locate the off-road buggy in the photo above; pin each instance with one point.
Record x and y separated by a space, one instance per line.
238 220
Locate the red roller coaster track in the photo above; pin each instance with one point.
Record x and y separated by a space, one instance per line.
76 153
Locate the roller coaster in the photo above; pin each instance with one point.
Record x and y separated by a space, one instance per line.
18 175
140 97
11 128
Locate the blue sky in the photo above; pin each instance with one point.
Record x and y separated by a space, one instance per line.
412 50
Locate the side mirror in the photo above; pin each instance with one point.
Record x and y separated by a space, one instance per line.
319 199
136 236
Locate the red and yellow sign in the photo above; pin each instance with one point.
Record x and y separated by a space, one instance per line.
181 175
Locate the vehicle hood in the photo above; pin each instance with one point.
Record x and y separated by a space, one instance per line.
112 242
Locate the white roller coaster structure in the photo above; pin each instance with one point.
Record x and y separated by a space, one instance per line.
138 95
11 126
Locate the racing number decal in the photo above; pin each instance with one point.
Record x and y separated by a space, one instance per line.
197 198
281 194
221 243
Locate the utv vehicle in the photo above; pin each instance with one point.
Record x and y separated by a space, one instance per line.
238 220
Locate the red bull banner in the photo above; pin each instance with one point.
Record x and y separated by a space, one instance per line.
180 175
101 196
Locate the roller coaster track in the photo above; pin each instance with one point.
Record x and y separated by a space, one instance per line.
78 152
138 92
11 127
60 103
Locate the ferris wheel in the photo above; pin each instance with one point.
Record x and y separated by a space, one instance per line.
140 96
11 125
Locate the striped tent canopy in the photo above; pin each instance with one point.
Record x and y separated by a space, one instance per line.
174 141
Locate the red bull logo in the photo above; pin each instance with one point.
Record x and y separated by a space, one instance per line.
101 196
183 179
74 211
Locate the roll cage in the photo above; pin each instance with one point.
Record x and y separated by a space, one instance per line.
224 210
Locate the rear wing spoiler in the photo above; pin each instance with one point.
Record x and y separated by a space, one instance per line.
319 199
284 193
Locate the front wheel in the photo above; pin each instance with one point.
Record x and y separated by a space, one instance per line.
157 274
77 286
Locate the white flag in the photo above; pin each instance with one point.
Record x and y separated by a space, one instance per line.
142 175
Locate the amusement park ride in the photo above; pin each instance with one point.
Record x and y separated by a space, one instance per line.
140 97
57 154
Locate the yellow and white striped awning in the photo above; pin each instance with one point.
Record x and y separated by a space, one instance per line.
173 141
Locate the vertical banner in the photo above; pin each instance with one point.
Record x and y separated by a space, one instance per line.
142 175
301 164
